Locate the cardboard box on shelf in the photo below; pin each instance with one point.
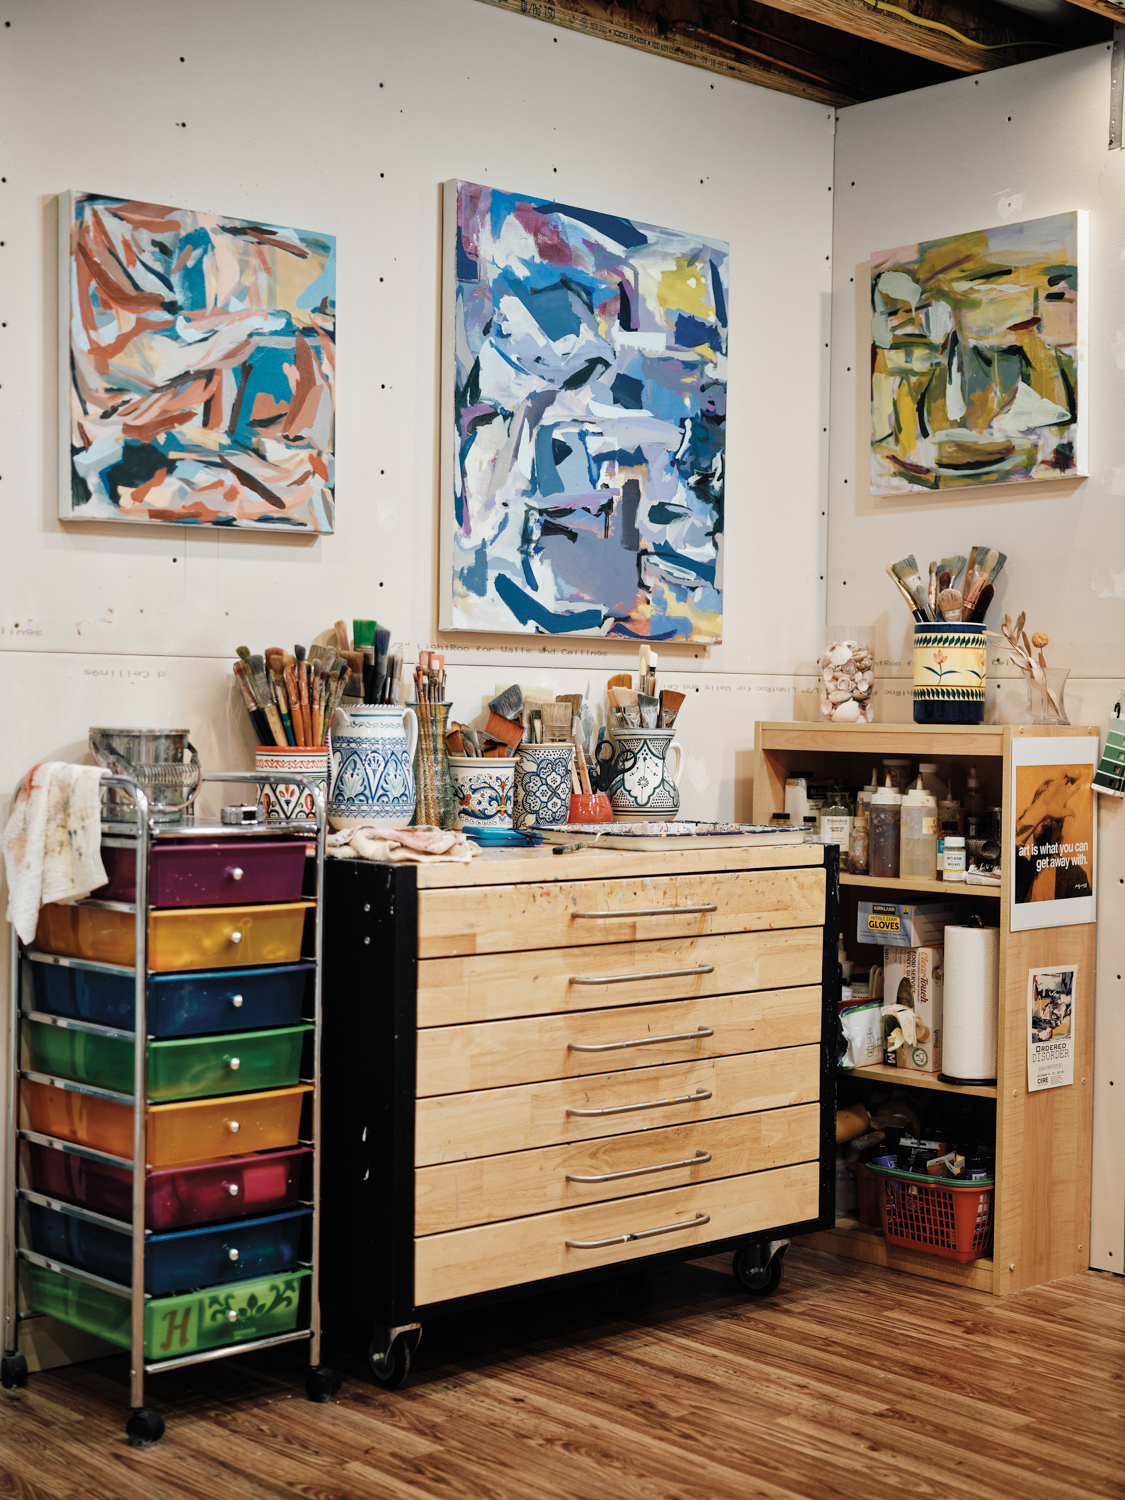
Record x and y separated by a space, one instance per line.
914 977
895 926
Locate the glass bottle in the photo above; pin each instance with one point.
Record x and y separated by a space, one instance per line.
836 822
886 813
858 844
919 835
433 776
866 793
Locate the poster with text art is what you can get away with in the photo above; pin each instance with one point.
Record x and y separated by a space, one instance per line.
978 358
1052 864
583 421
197 358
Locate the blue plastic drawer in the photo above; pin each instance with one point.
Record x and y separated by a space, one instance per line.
176 1262
191 1004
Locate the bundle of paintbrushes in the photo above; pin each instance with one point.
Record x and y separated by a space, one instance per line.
431 766
647 708
957 589
290 699
376 670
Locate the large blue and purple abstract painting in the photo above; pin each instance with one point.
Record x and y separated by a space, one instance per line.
197 368
583 423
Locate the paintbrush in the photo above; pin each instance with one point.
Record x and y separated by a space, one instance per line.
472 740
453 741
670 703
363 633
535 725
944 581
342 642
621 679
952 566
256 714
394 677
557 719
382 650
262 688
980 577
579 755
509 703
649 710
906 571
909 600
302 670
277 682
949 602
983 600
509 731
932 589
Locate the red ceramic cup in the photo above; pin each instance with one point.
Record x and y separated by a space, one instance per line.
590 809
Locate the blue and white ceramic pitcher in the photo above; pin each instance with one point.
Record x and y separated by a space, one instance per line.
373 766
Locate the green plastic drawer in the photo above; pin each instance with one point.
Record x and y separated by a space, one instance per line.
174 1326
198 1067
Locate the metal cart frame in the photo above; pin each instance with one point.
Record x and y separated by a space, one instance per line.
146 1426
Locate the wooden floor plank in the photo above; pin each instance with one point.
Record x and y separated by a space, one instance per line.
666 1385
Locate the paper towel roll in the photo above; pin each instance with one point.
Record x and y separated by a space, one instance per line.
971 1004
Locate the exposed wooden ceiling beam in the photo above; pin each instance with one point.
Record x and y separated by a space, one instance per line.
631 28
1103 8
914 26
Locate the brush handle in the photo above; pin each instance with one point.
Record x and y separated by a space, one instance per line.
275 724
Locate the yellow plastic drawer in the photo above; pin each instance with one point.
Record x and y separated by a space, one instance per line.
190 937
178 1134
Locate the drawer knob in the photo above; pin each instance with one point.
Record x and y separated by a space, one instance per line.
236 1001
232 1316
640 1234
235 1064
236 873
236 937
232 1189
232 1253
233 1127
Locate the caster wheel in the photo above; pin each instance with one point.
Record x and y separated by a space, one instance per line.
144 1428
756 1282
322 1383
392 1371
13 1372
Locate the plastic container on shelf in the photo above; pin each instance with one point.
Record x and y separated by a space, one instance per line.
846 675
918 835
859 848
191 1004
266 1182
174 1326
899 770
938 1215
886 815
953 870
927 770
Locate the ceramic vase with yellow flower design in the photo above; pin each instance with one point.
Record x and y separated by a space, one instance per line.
950 661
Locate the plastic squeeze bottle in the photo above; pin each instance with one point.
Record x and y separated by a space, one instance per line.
858 844
919 834
886 812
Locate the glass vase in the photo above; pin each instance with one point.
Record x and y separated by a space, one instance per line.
437 792
1045 701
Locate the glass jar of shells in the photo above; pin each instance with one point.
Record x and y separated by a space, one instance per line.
846 676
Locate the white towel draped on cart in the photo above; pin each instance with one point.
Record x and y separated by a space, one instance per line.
52 844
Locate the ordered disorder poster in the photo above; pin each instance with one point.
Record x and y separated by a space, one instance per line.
1052 862
1050 1026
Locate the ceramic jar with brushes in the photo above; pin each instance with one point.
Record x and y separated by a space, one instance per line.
950 656
292 800
847 674
485 790
641 784
543 785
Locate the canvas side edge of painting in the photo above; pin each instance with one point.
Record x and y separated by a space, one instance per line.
65 202
447 457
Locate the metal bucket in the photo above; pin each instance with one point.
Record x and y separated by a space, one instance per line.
155 759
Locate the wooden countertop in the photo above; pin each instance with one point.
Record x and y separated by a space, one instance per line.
518 866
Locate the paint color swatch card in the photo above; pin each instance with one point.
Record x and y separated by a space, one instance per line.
1110 775
583 421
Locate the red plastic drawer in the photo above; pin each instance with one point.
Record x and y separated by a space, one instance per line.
209 874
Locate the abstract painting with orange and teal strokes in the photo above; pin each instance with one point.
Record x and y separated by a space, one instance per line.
584 421
197 368
978 358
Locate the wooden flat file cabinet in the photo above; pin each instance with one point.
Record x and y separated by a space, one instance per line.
539 1068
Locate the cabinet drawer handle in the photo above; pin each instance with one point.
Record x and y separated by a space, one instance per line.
628 1109
697 1160
656 974
645 911
641 1234
642 1041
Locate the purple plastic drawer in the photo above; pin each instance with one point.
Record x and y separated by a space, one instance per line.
193 873
175 1197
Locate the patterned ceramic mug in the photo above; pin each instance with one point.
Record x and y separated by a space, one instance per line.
485 790
372 766
641 786
950 666
543 785
286 801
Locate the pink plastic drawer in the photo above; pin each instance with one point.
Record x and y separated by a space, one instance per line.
194 873
175 1197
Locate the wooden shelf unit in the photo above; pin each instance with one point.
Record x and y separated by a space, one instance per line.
881 1073
1042 1139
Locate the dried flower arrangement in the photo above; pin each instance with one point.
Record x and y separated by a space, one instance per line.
1028 656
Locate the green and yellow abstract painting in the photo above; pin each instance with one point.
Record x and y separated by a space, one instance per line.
978 358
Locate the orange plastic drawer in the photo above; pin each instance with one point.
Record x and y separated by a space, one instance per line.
188 937
178 1134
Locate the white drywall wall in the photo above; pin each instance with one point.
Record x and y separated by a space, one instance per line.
347 118
1015 144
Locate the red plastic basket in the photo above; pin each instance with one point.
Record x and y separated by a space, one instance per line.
936 1214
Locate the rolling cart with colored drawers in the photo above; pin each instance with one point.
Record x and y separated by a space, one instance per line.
166 1197
541 1068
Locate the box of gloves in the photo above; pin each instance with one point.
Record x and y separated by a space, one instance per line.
912 985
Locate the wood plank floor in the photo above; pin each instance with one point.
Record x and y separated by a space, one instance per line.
669 1385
